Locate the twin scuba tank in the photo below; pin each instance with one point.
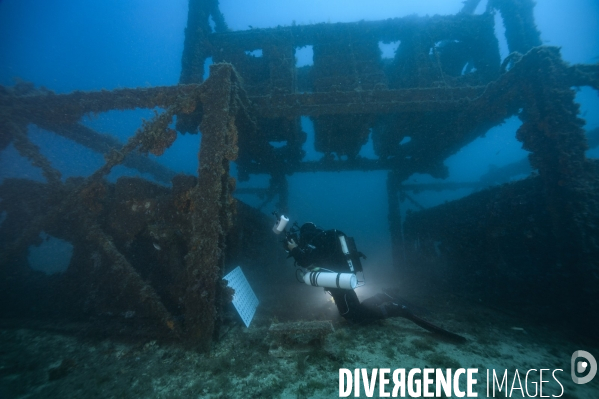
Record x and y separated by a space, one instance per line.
329 279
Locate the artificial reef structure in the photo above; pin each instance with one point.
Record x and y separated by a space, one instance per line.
445 86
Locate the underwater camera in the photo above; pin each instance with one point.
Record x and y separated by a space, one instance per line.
279 227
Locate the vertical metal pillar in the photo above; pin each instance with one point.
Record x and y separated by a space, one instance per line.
394 217
518 18
196 49
211 206
282 187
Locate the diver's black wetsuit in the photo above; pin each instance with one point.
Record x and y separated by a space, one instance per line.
319 248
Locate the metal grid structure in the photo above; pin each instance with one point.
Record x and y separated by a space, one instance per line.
445 87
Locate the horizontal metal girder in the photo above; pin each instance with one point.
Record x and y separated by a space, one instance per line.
365 102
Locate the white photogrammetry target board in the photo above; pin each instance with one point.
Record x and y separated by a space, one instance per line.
244 299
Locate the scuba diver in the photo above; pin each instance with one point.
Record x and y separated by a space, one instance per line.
333 261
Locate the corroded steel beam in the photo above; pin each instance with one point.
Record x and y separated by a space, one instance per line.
400 101
104 143
457 26
211 205
49 107
366 102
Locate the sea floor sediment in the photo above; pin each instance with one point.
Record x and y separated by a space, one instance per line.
48 360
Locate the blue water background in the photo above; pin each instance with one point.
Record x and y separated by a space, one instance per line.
67 45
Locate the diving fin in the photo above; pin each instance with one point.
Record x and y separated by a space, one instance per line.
407 314
398 310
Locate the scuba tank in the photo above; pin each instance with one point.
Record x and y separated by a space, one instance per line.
346 281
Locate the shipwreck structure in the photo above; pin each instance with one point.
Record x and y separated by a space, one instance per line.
445 86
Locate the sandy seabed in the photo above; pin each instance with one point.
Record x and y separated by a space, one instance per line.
50 362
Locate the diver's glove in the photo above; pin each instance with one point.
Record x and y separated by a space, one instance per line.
291 244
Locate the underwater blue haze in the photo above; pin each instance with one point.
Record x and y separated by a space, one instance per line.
67 45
